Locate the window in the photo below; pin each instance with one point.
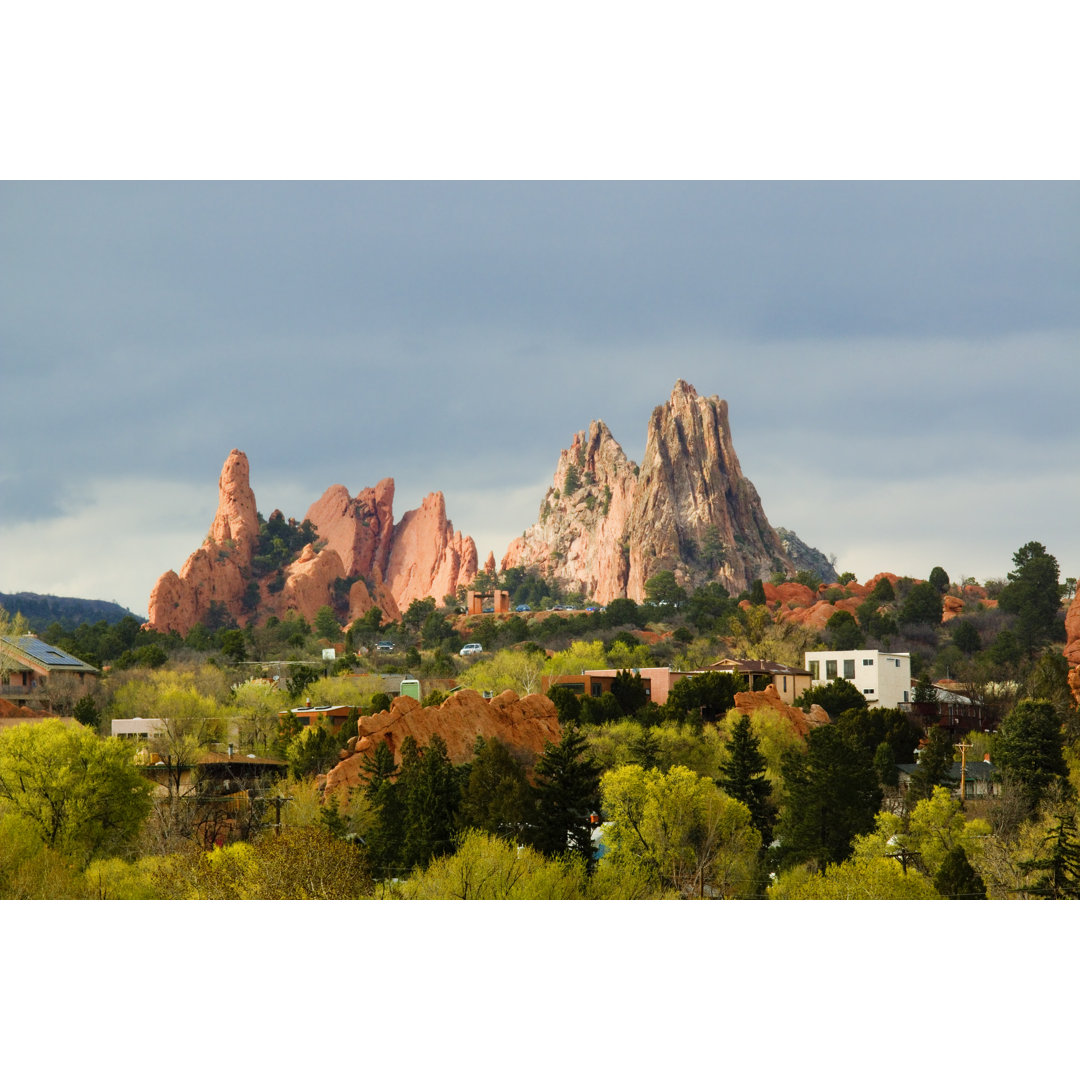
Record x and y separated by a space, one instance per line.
868 662
785 684
869 693
830 669
849 669
815 669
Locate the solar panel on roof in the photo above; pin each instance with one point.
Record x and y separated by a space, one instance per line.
47 654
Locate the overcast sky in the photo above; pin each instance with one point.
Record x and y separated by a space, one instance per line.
900 360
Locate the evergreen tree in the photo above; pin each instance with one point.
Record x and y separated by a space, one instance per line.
935 763
1060 867
1033 595
567 791
384 840
431 794
742 776
1029 749
629 690
496 796
832 797
957 879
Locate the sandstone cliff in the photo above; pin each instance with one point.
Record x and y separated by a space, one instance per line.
356 543
607 525
1072 645
523 724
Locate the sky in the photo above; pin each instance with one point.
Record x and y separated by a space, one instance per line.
899 359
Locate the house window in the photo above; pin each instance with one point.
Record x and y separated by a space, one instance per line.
869 693
868 662
815 669
849 669
830 669
596 689
785 684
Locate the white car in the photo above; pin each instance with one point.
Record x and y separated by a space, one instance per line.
471 649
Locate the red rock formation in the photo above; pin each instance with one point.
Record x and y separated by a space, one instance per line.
523 724
217 572
951 607
1072 645
427 558
421 556
750 701
606 526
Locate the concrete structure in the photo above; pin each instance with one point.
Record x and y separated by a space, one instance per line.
789 682
884 679
497 601
138 727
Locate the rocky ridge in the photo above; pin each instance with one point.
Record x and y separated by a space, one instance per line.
358 544
606 525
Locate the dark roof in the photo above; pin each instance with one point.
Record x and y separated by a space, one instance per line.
32 648
758 667
974 770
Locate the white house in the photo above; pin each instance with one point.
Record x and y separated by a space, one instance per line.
883 678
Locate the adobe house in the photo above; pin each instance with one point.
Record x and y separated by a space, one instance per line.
26 662
658 681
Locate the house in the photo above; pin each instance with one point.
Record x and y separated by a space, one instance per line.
979 778
789 682
27 662
657 681
954 711
884 678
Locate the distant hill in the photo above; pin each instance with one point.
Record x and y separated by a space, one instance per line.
69 611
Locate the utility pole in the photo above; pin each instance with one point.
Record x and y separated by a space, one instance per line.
963 747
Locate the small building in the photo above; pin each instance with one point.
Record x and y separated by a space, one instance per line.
979 778
789 682
27 663
485 603
883 678
657 681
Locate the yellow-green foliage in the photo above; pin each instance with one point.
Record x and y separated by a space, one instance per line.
29 870
872 873
299 864
935 826
508 669
178 695
681 828
581 656
116 879
489 868
614 744
342 690
626 657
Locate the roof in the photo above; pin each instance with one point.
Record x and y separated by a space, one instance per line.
974 770
757 667
34 652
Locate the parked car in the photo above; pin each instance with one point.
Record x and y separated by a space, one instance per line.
523 607
384 646
471 649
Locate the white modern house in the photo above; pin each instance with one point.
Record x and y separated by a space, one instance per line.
884 679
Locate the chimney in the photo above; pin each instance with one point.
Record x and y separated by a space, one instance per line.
986 758
230 749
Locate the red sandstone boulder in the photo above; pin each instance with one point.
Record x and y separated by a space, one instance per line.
750 701
523 724
1072 645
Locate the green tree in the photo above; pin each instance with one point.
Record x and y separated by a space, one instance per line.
922 605
497 797
82 795
662 588
757 592
567 704
418 613
567 791
628 688
844 632
326 624
1029 749
1033 595
1059 865
935 764
386 835
957 879
704 697
939 579
834 697
690 836
313 751
431 798
832 797
86 712
966 637
742 776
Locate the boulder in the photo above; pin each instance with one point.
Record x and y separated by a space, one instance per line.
750 701
523 724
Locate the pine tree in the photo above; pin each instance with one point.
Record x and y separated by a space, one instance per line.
957 879
1060 878
742 776
935 763
430 797
1029 749
567 790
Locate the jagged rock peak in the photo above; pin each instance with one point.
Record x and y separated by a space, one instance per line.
236 519
607 525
